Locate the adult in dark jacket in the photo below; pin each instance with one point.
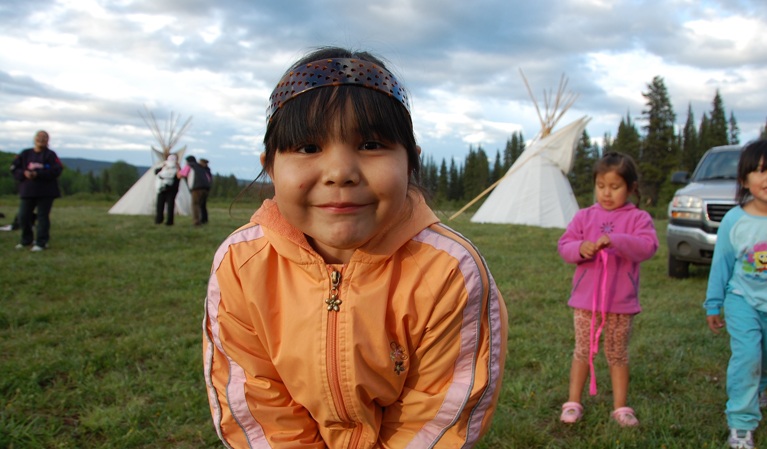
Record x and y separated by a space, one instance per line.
204 201
37 171
199 180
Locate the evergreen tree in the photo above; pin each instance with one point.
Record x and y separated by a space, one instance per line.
718 122
581 175
514 148
498 170
468 179
734 130
658 152
520 148
433 175
607 144
508 151
442 184
476 172
627 140
429 174
691 151
455 183
704 134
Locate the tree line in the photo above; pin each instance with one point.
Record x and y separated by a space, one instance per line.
658 147
113 181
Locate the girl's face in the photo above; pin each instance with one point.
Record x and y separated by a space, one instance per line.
611 189
756 183
341 194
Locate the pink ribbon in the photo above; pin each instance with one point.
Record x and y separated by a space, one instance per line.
594 335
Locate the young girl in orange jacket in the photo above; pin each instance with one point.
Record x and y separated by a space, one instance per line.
344 314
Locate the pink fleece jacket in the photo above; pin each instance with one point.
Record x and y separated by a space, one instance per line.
633 240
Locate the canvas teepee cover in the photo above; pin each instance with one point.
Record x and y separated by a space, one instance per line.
141 198
535 191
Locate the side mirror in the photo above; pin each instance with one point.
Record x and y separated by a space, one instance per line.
680 177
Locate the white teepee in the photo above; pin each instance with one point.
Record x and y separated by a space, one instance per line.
535 191
141 198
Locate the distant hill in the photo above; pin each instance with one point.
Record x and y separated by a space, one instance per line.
88 165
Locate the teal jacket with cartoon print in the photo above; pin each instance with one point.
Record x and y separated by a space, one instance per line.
739 265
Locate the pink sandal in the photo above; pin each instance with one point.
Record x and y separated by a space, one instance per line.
625 417
571 412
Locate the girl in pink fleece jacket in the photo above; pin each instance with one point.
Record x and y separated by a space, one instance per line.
606 242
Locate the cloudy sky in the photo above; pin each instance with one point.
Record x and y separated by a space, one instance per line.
84 69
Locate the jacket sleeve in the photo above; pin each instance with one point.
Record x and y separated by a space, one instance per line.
639 245
455 372
52 168
722 266
249 403
569 245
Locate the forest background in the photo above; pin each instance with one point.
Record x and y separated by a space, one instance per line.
658 145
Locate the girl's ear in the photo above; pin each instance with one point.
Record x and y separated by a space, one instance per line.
418 149
262 157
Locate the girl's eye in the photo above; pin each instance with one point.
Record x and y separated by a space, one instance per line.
371 146
308 149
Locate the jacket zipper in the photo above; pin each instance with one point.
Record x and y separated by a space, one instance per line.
333 306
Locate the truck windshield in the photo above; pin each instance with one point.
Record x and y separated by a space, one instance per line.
719 165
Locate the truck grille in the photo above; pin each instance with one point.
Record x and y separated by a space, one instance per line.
716 211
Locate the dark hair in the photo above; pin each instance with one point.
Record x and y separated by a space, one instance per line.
623 165
346 110
754 153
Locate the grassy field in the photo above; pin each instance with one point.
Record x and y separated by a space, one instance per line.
100 340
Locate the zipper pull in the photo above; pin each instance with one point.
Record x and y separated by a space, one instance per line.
334 304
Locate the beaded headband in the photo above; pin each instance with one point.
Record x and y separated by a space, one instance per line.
335 72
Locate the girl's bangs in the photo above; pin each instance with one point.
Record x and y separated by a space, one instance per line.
752 155
344 112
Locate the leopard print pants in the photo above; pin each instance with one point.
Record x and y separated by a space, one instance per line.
615 334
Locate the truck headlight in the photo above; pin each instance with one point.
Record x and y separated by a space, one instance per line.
687 202
686 207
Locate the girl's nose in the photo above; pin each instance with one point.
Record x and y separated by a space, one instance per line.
340 165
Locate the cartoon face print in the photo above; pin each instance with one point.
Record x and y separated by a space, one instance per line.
760 260
756 260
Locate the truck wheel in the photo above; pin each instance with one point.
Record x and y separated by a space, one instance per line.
678 268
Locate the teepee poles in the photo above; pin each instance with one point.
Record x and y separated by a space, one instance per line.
169 137
562 102
553 112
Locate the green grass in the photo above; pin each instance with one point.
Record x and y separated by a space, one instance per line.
100 339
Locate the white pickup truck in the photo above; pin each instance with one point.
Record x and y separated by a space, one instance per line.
697 209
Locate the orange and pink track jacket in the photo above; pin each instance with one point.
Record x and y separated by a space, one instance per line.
403 347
